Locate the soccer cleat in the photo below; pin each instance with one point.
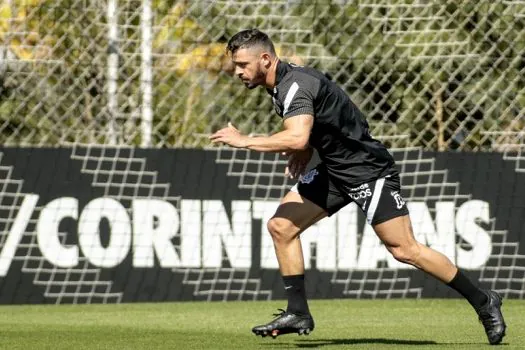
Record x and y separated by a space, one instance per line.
286 322
491 317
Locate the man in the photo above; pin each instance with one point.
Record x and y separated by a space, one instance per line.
354 168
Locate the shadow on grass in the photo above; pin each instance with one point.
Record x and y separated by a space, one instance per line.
317 343
314 343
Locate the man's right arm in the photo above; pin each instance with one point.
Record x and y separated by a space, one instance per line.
293 138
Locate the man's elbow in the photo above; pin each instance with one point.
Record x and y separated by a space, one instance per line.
300 144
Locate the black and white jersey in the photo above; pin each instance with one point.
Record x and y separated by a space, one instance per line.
340 132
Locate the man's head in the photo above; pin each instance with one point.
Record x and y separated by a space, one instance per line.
253 54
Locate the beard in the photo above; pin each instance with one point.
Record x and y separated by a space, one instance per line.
258 79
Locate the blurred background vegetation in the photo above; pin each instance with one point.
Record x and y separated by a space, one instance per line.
439 75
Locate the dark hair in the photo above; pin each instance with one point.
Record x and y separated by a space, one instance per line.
250 38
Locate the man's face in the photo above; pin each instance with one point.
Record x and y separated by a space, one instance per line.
249 66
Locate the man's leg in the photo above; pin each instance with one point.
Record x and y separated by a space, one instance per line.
294 215
398 237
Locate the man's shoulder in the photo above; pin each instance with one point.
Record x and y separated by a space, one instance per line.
301 77
303 72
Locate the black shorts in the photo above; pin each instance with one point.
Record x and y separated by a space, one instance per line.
380 200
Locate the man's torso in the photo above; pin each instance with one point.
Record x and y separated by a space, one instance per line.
340 133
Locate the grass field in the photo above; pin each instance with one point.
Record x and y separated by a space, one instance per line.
340 324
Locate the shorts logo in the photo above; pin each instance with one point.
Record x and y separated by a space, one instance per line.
399 200
308 177
360 194
361 187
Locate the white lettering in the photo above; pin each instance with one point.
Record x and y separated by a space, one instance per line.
264 210
466 217
218 233
89 232
47 230
445 239
16 232
208 235
155 223
442 240
190 233
322 235
347 237
360 194
372 250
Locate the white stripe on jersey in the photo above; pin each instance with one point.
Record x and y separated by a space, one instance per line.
289 97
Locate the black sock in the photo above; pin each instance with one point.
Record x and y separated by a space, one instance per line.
464 286
295 291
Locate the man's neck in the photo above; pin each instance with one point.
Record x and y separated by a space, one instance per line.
271 76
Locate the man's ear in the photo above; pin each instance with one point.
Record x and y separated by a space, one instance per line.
266 60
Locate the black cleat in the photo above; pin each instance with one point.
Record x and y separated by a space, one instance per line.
491 318
286 322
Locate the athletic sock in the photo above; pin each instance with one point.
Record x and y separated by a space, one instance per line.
295 291
464 286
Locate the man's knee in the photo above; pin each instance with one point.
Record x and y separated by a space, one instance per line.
282 229
408 254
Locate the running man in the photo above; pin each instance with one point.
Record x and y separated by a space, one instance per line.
318 114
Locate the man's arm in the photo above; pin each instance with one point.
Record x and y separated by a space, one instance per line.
294 137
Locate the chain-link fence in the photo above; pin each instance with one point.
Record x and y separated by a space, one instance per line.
441 74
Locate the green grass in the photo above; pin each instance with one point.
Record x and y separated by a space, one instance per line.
340 324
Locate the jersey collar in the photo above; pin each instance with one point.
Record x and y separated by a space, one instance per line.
280 71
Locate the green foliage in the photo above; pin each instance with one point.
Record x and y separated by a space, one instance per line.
444 74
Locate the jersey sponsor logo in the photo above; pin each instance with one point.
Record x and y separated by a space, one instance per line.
308 177
400 202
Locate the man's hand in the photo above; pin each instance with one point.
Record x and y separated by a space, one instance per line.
230 136
297 162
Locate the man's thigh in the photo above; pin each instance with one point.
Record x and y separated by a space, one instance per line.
395 232
311 199
318 187
298 212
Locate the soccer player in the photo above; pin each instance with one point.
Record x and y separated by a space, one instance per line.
354 167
